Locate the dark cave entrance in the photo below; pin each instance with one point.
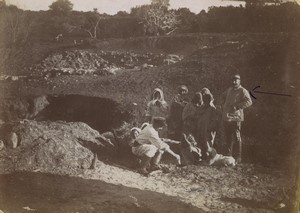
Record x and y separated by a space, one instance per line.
101 114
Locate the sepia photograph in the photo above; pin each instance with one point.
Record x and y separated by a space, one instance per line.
149 106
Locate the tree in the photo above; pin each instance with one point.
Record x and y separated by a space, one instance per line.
156 18
2 4
163 3
186 18
122 14
91 23
87 22
260 3
61 6
15 24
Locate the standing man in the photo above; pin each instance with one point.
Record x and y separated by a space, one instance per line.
234 100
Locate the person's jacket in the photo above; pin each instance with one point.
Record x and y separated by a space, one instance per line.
235 100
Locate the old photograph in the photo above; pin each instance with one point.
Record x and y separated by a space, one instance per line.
149 106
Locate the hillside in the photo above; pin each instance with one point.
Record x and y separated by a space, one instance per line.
106 101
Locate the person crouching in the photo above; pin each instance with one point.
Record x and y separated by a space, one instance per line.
149 147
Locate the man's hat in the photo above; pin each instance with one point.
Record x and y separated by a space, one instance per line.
236 76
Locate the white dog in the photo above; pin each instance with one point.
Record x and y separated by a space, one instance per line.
219 160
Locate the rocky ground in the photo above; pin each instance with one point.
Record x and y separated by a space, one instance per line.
61 148
44 126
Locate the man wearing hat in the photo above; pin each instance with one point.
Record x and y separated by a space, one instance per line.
234 100
149 146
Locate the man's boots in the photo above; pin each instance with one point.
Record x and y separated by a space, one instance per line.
239 152
155 161
144 164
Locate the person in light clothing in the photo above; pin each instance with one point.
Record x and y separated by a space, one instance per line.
235 99
150 147
157 107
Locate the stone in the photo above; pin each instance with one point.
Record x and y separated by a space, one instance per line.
14 78
1 145
12 140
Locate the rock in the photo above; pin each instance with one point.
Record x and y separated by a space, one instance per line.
251 181
16 109
280 206
1 122
81 62
12 140
244 182
14 78
4 77
1 145
94 161
55 147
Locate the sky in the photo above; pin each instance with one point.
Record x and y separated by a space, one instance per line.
113 6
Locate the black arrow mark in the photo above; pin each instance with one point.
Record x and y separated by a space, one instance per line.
267 93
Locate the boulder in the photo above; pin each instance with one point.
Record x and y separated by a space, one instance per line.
55 147
12 140
1 145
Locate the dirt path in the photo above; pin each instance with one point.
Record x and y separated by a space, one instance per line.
107 188
240 189
244 188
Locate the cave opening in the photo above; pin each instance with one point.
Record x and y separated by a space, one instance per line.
102 114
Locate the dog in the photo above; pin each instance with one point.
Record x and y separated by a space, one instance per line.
218 159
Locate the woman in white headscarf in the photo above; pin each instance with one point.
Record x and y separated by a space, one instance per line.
157 107
205 91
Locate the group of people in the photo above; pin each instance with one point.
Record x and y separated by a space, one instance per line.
192 124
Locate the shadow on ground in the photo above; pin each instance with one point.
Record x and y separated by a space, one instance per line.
51 193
